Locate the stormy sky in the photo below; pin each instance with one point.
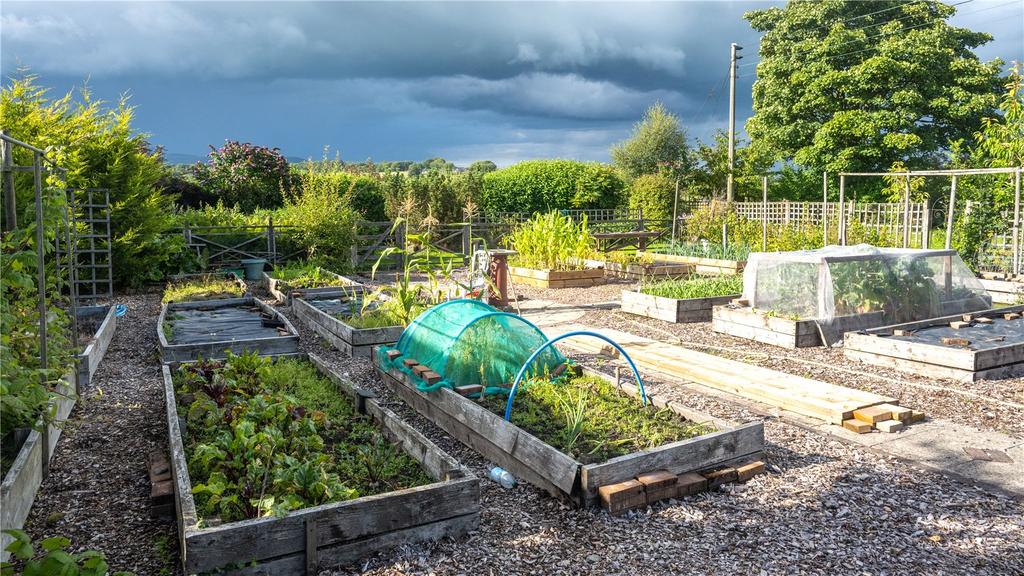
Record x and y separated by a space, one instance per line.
409 80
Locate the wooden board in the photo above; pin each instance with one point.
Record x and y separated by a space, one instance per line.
672 309
804 396
90 357
22 481
711 266
341 532
746 322
273 345
556 278
283 292
529 458
1004 291
352 341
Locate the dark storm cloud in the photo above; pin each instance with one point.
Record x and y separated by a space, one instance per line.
389 79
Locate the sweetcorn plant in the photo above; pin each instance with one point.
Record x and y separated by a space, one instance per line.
552 241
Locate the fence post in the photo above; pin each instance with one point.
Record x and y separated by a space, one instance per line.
1016 223
926 226
10 200
839 209
400 241
467 249
824 209
271 242
906 212
949 213
764 213
725 234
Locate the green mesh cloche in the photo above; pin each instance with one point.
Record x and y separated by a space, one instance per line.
468 342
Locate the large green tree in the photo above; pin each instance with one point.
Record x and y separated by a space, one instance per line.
657 142
847 85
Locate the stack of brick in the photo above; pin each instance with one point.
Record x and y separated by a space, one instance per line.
161 486
884 417
651 487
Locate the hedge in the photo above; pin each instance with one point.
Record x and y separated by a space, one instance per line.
543 185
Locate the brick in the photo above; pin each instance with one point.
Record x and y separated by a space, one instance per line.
968 318
872 414
984 320
469 389
916 416
431 377
749 470
691 483
659 485
161 490
159 467
955 341
420 369
902 332
889 425
621 497
718 477
956 325
1011 316
392 354
854 425
410 362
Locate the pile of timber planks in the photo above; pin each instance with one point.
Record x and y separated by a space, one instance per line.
804 396
884 417
651 487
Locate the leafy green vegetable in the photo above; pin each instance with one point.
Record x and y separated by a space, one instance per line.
695 287
264 438
589 419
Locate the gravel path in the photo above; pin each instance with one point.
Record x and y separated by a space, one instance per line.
825 507
97 494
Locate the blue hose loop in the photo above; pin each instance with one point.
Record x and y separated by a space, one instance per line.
522 371
120 310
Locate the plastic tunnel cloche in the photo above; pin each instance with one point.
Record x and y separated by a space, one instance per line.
469 342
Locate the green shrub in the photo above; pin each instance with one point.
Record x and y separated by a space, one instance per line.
323 224
653 194
542 185
245 175
551 241
53 558
99 149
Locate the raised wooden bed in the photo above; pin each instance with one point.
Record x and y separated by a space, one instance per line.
90 356
557 278
994 349
218 326
540 464
318 315
638 271
760 326
305 541
672 309
284 292
30 467
235 278
701 265
1004 291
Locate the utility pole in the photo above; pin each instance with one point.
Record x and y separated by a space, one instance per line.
732 118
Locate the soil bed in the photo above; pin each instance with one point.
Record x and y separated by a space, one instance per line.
198 287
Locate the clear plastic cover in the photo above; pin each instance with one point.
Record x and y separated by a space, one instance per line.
904 285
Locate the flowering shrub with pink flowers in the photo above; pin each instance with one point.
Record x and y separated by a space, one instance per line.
245 175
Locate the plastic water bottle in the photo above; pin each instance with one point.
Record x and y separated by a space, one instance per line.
503 477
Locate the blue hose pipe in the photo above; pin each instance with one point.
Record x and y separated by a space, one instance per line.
522 371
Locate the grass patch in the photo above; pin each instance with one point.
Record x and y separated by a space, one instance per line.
264 438
592 421
695 287
209 287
